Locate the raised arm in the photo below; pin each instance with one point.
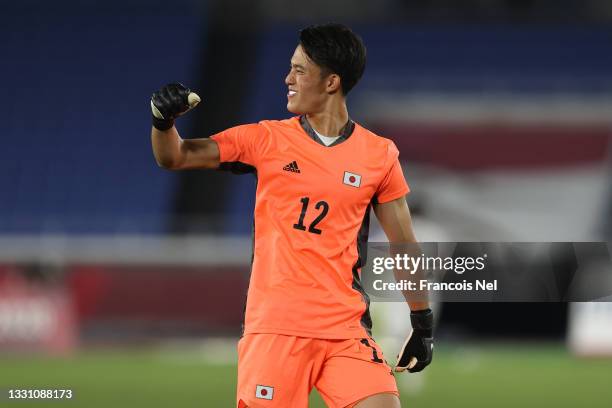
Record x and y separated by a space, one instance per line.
174 153
170 150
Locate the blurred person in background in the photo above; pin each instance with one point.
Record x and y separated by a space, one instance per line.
307 321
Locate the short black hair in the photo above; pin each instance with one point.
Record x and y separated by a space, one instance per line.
336 49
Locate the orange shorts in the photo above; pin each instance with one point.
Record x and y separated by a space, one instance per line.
276 370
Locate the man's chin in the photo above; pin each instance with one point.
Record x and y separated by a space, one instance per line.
294 109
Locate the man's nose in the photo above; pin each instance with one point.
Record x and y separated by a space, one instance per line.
289 79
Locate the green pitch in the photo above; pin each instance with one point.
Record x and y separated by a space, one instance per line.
504 375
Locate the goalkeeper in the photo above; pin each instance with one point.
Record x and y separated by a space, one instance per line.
319 173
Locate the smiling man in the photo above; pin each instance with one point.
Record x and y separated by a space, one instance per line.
307 321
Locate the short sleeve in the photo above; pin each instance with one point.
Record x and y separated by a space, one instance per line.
393 185
241 143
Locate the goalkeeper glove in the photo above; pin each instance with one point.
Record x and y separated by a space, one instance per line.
170 102
417 351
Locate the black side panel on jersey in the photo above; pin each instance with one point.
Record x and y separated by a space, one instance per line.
362 251
246 296
236 167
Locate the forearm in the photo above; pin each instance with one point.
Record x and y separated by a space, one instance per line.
416 299
419 305
166 147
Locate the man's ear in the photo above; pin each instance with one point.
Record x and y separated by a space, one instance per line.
333 83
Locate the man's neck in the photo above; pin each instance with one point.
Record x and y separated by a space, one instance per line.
329 122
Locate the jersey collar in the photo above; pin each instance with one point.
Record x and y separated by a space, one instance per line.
345 132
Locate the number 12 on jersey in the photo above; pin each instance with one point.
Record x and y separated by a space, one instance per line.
312 228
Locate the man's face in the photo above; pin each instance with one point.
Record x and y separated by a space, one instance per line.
306 88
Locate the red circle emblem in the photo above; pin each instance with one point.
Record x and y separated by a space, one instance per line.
264 392
352 179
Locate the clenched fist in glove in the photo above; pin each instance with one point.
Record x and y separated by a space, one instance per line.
170 102
417 351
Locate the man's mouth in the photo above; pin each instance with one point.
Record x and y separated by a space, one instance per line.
291 93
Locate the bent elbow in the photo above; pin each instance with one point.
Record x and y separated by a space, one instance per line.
166 164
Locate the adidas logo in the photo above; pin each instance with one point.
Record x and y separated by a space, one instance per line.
293 167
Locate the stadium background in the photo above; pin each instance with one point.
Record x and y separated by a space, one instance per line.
126 283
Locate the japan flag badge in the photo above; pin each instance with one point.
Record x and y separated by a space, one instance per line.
352 179
264 392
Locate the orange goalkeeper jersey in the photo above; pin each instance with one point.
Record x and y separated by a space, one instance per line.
311 223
